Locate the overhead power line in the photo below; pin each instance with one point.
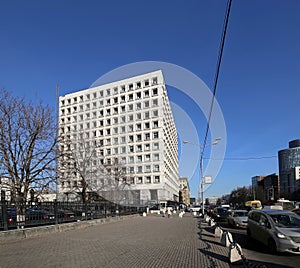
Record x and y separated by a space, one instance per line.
242 158
217 73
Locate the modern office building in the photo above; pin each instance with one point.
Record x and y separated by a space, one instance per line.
127 132
289 166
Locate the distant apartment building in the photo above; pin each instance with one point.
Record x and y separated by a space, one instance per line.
5 189
266 188
289 168
130 126
184 189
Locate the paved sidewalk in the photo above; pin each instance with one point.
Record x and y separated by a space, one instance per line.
152 241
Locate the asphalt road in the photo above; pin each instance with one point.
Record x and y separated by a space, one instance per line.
256 251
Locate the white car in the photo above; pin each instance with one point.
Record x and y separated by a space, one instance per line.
238 218
195 209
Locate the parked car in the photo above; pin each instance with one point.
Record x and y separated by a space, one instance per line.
277 229
11 217
195 208
296 210
220 214
34 214
65 214
238 218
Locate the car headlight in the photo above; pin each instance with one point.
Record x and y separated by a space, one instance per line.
282 236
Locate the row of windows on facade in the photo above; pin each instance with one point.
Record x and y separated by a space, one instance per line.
115 110
133 159
137 180
123 160
109 162
115 120
123 139
116 90
111 171
138 126
116 141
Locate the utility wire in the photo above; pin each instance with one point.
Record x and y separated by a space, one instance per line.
241 158
217 75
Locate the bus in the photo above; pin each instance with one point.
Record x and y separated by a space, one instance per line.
253 204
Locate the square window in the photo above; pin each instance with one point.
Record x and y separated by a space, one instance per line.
138 106
147 147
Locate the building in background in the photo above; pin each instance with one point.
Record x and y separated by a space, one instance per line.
266 188
126 125
184 191
5 189
289 168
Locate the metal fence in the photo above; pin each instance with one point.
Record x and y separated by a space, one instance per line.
14 216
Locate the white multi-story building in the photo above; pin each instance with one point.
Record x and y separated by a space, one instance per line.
129 122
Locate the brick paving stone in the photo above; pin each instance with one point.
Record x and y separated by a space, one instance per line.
151 242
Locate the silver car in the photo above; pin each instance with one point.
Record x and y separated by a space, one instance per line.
279 230
238 218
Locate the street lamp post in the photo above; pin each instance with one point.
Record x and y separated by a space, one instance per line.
202 148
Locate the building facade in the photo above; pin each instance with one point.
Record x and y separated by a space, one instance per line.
184 189
289 165
5 189
266 188
126 129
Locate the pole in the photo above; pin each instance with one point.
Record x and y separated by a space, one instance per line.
56 149
202 183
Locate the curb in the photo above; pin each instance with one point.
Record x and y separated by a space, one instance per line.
63 227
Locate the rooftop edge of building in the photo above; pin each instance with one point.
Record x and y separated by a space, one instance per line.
117 81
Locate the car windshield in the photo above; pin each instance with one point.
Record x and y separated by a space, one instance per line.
222 210
286 220
240 213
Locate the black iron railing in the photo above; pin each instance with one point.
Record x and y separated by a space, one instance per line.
35 214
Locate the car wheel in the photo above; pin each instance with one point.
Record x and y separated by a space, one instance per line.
272 246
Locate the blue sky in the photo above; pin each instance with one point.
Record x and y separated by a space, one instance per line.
75 42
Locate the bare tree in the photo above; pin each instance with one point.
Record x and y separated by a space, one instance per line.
85 171
27 145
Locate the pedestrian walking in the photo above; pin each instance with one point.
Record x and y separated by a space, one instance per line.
169 211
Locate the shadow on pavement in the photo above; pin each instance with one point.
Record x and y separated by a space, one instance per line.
206 234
